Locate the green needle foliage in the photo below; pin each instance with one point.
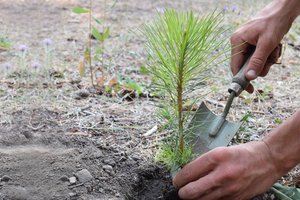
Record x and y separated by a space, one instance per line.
181 48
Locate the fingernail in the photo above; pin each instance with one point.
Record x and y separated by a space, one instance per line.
251 74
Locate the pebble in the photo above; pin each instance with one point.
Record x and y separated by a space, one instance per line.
122 159
97 154
84 176
64 178
72 194
110 162
135 157
81 94
102 178
108 168
5 178
72 180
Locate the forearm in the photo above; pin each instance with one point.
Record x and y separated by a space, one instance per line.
284 8
291 7
284 144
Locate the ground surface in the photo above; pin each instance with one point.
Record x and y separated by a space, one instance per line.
60 139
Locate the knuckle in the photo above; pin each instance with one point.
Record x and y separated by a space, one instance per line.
186 174
257 62
228 175
220 154
234 38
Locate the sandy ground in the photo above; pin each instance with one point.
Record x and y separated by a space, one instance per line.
59 139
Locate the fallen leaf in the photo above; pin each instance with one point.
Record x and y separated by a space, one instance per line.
113 81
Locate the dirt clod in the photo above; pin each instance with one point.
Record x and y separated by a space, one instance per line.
5 178
64 178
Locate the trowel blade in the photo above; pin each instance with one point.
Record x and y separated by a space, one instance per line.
200 126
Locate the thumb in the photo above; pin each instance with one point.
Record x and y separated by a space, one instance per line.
258 60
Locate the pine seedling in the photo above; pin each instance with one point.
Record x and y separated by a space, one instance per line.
181 49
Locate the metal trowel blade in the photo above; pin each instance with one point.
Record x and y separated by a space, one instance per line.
202 123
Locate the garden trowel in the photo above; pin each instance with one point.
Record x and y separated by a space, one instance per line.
210 130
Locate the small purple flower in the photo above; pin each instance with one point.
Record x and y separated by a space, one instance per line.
160 10
35 64
225 8
23 47
47 41
7 65
234 8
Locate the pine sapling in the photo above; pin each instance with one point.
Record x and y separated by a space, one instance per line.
181 49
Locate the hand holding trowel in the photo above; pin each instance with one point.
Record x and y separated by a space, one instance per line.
210 130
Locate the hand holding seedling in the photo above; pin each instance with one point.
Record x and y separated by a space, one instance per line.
243 171
263 33
233 173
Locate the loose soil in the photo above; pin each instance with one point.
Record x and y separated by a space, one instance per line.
60 139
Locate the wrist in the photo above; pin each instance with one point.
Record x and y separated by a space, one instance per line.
284 144
288 8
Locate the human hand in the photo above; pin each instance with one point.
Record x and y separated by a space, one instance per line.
262 35
228 173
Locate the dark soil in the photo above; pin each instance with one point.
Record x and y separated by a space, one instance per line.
38 164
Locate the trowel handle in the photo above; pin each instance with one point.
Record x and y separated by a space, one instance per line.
239 81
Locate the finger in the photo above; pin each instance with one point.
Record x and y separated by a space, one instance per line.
272 59
217 193
266 69
238 49
194 170
199 188
258 59
276 53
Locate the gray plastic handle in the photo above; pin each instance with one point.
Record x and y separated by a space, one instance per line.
239 81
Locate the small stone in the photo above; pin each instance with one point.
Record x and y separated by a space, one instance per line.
103 178
72 180
84 176
88 188
97 154
81 94
5 178
72 194
135 157
107 168
122 159
101 190
110 162
64 178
